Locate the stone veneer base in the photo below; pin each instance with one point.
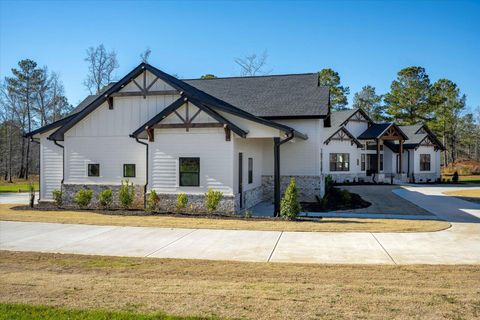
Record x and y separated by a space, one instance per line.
69 191
196 204
308 187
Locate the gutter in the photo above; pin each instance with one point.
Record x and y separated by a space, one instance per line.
146 166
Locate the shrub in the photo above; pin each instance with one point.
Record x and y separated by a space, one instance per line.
182 201
344 196
328 184
212 199
105 197
126 194
83 197
455 177
57 197
289 206
152 201
248 214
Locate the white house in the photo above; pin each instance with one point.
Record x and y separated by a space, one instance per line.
243 136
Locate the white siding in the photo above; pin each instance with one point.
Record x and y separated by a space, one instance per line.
51 170
342 147
251 148
297 157
356 128
103 137
216 160
110 152
434 159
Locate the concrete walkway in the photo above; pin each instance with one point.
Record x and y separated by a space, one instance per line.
458 245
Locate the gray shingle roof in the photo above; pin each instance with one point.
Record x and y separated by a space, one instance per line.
374 131
273 96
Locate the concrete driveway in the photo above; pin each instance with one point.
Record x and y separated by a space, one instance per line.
16 198
458 245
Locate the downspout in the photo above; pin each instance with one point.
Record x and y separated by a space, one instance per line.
63 164
408 163
146 167
276 171
39 168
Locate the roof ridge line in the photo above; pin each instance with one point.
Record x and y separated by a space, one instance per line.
260 76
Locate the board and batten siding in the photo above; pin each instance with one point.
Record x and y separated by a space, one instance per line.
51 167
297 157
216 160
103 137
250 148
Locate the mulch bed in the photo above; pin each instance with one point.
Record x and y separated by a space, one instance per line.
337 199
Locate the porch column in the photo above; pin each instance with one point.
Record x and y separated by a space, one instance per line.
401 156
378 155
276 176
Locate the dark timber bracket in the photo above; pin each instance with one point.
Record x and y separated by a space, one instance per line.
276 172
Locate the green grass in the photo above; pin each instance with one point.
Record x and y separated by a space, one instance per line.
25 311
16 187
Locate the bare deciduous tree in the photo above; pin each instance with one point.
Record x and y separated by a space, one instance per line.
101 65
253 65
145 55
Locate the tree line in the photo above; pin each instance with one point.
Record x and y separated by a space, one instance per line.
33 96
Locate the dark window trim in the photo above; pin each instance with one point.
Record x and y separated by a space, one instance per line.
337 166
425 165
88 169
250 170
180 173
134 170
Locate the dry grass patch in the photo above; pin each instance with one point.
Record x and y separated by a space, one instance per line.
165 221
469 194
239 289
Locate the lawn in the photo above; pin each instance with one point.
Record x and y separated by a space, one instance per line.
165 221
27 312
18 185
240 289
469 195
470 179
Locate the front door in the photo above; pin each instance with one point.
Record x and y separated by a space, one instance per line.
240 178
371 164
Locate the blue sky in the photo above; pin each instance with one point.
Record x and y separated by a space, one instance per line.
366 42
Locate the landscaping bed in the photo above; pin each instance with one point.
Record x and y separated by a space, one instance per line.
336 199
141 219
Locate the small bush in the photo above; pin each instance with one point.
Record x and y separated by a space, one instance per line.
83 197
345 197
212 199
182 201
289 205
105 197
126 194
152 201
57 197
455 177
248 214
328 184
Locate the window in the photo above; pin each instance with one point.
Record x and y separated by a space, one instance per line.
363 161
381 162
129 170
189 172
93 170
339 161
250 170
424 162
